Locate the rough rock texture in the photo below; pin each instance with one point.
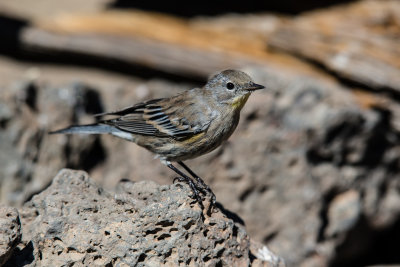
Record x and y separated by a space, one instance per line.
10 232
308 151
317 154
25 168
75 222
311 150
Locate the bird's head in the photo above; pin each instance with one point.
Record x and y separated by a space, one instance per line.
231 87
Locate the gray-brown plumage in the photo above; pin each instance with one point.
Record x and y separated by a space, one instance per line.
184 126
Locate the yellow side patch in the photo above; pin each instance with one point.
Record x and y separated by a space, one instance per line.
194 138
239 102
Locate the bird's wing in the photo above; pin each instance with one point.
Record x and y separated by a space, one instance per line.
138 108
159 117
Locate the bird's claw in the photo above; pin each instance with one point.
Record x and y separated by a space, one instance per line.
179 179
205 189
198 187
193 187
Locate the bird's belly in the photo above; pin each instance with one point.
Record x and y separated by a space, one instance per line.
199 144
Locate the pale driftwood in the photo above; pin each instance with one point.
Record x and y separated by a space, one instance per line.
358 42
137 50
159 42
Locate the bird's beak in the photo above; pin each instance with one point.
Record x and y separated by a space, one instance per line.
253 86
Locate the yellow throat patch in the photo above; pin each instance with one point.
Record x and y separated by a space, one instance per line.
239 101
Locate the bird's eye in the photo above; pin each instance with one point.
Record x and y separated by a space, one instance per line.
230 86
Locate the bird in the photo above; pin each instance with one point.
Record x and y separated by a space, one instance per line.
181 127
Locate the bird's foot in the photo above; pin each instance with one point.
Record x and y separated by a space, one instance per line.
195 189
204 188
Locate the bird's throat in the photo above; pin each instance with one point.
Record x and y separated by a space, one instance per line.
238 102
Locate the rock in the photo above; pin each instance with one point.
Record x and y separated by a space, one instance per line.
10 232
143 224
344 212
308 146
28 160
5 113
299 146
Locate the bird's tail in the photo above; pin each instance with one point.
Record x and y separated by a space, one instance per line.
85 129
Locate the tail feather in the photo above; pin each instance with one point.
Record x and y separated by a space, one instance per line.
86 129
95 129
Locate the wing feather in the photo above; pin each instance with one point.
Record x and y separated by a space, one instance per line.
157 117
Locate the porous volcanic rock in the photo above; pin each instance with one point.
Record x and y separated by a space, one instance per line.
10 232
75 222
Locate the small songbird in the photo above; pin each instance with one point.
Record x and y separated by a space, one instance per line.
181 127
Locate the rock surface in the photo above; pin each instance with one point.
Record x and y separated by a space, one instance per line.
10 232
300 146
75 222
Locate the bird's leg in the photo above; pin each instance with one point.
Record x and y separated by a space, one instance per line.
188 181
199 180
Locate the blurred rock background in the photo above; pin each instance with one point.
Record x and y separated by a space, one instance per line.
313 168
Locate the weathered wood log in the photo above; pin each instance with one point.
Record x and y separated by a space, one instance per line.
139 50
157 41
360 42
